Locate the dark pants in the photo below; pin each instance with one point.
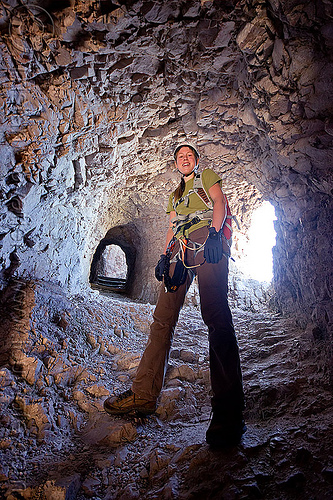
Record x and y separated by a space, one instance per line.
225 371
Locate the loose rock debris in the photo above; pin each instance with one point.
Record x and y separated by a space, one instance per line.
65 355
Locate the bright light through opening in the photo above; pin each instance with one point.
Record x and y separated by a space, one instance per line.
259 260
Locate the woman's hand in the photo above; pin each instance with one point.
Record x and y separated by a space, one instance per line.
213 250
159 269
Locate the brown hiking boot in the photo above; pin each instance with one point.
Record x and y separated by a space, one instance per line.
128 402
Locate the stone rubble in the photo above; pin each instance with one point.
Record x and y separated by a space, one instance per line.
56 441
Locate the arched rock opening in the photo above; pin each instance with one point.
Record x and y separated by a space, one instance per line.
127 238
113 262
109 271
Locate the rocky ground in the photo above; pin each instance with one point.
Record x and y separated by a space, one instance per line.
63 356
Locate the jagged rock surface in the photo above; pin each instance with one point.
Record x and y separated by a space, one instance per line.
57 442
94 96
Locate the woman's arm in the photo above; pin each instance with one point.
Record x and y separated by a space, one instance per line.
169 234
219 206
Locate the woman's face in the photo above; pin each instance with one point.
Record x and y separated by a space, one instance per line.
185 161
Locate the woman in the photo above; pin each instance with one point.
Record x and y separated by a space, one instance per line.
196 235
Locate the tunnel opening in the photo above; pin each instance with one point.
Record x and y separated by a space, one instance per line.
112 269
113 264
257 262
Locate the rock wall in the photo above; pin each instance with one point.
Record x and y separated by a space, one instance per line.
94 97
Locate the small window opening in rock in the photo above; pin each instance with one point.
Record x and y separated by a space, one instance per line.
112 271
258 262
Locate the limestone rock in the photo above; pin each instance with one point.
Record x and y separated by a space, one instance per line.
182 372
64 488
37 416
90 485
168 401
29 367
98 391
103 431
6 378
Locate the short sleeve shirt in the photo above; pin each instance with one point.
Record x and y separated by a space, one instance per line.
195 203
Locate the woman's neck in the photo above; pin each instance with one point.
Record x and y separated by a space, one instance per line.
188 177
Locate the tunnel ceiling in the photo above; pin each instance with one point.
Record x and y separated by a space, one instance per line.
95 95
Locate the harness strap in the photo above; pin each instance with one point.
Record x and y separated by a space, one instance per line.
197 189
202 214
180 272
183 222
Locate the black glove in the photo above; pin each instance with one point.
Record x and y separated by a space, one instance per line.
159 269
213 250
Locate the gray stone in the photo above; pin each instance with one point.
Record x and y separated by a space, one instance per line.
100 430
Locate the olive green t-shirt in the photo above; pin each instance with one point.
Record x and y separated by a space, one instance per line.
195 203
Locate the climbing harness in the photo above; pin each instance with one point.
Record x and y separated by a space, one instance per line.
197 247
181 268
180 272
183 222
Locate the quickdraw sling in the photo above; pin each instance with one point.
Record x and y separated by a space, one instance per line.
180 272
